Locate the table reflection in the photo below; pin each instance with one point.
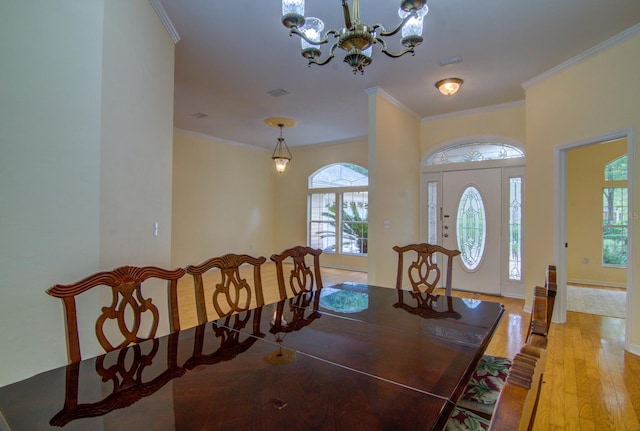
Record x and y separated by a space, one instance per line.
128 376
229 333
428 306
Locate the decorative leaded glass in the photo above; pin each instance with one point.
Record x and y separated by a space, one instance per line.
432 208
471 228
475 152
515 228
339 175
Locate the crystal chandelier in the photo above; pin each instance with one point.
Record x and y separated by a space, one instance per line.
356 38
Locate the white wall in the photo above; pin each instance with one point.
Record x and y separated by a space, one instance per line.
54 127
50 106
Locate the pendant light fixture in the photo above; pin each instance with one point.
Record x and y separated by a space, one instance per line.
281 154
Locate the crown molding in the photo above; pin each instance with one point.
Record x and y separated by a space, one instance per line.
221 140
615 40
253 147
380 92
166 21
480 110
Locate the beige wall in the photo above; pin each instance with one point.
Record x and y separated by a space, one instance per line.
590 99
394 179
53 123
292 190
217 208
585 181
136 136
506 122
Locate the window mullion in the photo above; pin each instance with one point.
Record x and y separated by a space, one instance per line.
338 222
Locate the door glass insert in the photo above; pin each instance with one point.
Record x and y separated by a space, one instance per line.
432 198
515 228
471 228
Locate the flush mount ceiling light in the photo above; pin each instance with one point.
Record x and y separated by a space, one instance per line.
449 86
281 154
356 38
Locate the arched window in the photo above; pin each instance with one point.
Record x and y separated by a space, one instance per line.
615 214
338 197
474 152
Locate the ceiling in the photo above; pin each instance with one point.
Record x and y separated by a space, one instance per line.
231 54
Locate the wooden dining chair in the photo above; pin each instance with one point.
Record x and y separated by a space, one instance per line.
231 292
485 385
135 317
518 400
301 278
552 288
424 273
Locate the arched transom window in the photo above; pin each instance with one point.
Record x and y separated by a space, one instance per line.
474 152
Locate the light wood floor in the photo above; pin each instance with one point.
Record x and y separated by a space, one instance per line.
591 382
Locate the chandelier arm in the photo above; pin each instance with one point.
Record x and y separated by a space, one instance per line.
325 39
326 60
394 55
347 15
406 19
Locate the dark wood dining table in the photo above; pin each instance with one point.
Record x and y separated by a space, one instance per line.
349 357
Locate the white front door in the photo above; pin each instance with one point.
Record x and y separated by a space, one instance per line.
471 222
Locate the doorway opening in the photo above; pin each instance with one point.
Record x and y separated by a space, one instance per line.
562 203
597 228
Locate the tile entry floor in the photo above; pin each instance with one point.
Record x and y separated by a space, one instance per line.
602 302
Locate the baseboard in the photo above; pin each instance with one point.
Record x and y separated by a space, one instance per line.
633 348
597 283
345 268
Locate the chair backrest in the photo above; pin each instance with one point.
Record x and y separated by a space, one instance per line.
232 293
518 400
552 288
129 308
539 315
424 272
301 277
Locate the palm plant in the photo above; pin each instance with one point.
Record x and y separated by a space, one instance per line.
354 224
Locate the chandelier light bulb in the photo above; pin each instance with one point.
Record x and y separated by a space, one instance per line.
292 7
414 26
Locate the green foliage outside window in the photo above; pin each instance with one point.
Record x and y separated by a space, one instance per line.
615 215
